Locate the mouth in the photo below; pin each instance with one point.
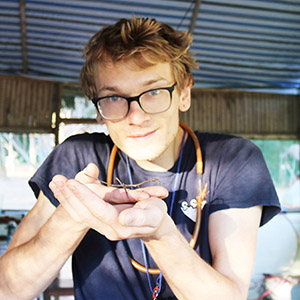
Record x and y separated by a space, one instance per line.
142 136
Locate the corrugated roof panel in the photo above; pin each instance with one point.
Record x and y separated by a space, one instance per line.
262 5
265 49
10 37
258 44
243 35
237 43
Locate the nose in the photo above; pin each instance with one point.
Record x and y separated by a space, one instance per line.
136 115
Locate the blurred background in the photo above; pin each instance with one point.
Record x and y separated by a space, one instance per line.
247 84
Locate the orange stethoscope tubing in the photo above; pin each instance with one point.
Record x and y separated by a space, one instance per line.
199 198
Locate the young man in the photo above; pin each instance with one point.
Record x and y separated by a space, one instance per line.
139 242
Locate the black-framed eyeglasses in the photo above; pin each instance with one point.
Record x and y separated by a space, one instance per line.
153 101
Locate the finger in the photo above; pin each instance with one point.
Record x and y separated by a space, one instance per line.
102 216
115 195
85 198
89 174
156 191
56 187
59 178
89 209
74 204
121 207
148 213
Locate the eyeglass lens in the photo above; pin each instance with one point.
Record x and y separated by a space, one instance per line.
154 101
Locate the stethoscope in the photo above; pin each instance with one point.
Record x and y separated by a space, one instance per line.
199 198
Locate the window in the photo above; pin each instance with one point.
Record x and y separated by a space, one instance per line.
20 156
282 158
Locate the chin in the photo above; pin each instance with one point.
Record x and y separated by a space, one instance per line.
142 154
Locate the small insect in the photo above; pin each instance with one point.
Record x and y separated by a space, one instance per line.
119 184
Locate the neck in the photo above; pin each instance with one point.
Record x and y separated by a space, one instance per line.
167 159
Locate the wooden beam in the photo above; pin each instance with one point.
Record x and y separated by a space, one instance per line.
23 35
57 105
78 121
194 16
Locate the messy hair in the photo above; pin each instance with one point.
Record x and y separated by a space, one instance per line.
144 41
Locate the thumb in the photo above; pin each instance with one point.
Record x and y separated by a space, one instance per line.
89 174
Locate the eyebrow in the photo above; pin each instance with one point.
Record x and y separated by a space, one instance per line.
145 84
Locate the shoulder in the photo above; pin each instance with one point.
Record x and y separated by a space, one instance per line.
226 155
220 139
237 174
81 149
70 157
94 137
226 146
85 142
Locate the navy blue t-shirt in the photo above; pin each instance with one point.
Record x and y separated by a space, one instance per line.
236 177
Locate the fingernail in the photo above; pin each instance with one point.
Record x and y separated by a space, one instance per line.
72 187
59 184
143 196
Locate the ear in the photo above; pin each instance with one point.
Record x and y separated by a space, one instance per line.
99 118
185 98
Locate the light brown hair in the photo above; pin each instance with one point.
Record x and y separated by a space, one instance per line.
142 40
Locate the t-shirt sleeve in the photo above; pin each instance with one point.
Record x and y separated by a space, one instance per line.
63 160
242 179
68 159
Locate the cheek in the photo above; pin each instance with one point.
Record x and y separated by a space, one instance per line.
115 132
172 116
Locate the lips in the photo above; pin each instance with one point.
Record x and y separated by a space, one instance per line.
142 136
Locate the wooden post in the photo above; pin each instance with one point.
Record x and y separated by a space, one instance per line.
23 34
194 16
57 95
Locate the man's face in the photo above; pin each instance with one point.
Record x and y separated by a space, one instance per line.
143 136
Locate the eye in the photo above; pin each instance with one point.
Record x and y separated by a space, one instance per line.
114 98
154 92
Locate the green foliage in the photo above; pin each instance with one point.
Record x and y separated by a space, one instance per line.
68 102
282 162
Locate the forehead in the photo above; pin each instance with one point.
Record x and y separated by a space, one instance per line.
128 76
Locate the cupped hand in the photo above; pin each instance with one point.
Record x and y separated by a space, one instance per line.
113 212
121 198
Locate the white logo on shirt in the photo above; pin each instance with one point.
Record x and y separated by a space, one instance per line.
190 209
